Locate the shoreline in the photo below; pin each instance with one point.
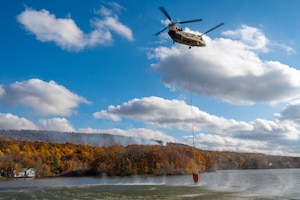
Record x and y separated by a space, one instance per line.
2 178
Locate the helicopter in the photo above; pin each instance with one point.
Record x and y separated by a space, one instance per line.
182 37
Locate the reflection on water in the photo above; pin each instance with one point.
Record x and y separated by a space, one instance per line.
230 184
116 192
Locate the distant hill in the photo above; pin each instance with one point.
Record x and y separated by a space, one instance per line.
95 139
57 153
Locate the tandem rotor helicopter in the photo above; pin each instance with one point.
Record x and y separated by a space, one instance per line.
182 37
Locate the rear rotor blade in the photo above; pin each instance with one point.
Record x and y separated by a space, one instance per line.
165 12
221 24
161 31
189 21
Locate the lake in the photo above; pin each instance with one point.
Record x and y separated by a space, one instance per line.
223 184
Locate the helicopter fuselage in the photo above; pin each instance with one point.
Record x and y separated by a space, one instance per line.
182 37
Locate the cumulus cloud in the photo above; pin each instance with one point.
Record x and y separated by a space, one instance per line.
214 132
229 69
14 122
133 132
2 91
252 38
168 114
228 143
10 121
291 112
111 22
46 98
176 114
225 143
274 131
66 34
56 124
159 111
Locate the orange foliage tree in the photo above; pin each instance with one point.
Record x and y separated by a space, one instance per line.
61 159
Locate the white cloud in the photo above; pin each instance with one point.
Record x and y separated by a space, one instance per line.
133 132
266 136
65 32
225 143
288 49
10 121
46 27
169 114
104 11
291 112
56 124
14 122
2 91
112 23
229 69
154 111
274 131
251 37
116 6
46 98
176 114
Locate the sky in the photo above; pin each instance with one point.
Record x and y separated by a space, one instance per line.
97 67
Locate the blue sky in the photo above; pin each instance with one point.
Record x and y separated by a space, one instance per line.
97 67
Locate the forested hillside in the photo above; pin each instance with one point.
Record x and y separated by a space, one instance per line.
51 159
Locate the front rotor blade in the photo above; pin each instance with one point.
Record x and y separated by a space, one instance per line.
161 31
221 24
165 12
189 21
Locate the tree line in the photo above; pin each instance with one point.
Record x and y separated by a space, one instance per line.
52 159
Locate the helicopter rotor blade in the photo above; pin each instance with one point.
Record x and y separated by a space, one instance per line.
189 21
161 31
221 24
166 13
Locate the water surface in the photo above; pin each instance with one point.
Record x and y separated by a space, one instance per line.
229 184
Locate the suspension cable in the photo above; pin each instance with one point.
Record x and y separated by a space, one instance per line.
191 95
